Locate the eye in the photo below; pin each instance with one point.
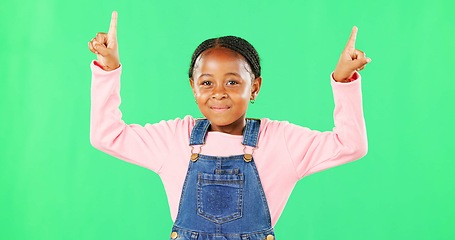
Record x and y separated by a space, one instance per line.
232 82
206 83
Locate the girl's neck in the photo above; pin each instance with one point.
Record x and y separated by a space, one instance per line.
235 128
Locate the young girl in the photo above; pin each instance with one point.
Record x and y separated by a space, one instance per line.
226 176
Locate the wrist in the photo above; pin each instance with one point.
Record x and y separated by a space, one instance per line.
104 67
354 76
337 78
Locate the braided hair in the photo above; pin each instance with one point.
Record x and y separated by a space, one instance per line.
236 44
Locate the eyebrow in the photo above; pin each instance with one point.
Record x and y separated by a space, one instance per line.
211 75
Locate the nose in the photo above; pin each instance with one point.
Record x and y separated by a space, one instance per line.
219 92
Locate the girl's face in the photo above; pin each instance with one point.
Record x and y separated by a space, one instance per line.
223 85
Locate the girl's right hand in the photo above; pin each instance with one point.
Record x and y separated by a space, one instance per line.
351 60
105 46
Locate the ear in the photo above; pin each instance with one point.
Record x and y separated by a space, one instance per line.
257 83
192 86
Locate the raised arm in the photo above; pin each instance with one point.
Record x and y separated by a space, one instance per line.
313 151
148 145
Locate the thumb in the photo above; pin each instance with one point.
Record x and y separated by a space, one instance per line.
360 63
101 49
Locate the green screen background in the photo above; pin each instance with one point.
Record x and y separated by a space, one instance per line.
55 185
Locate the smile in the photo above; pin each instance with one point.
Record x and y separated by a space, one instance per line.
220 109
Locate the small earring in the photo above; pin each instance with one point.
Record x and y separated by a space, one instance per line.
252 101
195 101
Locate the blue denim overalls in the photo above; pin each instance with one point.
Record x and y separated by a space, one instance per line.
222 197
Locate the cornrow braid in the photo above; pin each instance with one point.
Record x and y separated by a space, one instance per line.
236 44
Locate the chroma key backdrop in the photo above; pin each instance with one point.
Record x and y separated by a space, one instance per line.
55 186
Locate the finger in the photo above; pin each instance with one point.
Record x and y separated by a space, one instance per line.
101 38
100 48
360 53
92 49
351 42
113 28
360 63
361 68
94 44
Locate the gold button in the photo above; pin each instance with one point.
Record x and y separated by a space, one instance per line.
248 157
270 237
194 157
174 235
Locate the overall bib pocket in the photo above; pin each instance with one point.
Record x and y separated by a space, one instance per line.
220 196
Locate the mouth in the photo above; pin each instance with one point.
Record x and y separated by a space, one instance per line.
219 108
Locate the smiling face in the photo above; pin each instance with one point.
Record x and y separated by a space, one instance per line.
223 85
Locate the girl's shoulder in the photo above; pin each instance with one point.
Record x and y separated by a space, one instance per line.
273 127
184 124
267 123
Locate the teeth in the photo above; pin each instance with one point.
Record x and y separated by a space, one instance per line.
219 108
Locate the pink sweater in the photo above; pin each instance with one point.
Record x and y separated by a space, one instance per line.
285 153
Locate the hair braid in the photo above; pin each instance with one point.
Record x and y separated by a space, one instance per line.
234 43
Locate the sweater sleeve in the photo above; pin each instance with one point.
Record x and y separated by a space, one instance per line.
312 151
146 146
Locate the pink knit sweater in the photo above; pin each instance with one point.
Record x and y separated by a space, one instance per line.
285 153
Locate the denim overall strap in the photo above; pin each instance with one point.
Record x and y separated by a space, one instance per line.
250 134
199 132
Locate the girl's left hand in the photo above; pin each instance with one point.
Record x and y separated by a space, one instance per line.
351 60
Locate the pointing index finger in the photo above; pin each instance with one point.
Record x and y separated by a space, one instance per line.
113 26
352 38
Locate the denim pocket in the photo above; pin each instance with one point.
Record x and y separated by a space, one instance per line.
220 196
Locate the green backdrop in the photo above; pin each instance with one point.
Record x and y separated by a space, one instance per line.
55 185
